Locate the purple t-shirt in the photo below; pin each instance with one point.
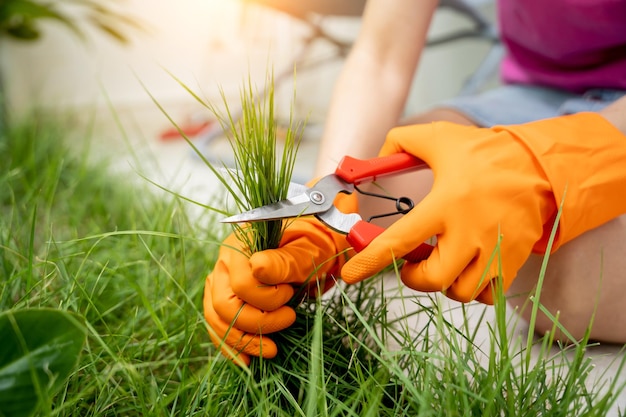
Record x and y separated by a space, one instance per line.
574 45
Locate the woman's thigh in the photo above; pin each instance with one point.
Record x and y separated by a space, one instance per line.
517 103
585 279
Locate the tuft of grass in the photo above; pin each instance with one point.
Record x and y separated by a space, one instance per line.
262 172
262 168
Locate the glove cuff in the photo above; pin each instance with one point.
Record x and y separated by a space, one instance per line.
583 157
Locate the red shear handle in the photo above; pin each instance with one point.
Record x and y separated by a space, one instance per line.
362 234
356 171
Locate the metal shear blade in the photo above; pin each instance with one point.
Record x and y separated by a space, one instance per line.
291 207
306 201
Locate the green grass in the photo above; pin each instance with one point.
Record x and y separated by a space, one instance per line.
262 171
75 237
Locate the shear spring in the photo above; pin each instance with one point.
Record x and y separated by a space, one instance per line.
403 204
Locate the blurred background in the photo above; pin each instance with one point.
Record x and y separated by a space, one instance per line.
211 45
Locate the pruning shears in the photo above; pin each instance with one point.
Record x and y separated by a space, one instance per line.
318 201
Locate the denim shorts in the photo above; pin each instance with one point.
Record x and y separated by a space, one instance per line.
517 103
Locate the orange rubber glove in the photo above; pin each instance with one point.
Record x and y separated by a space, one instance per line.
245 297
499 184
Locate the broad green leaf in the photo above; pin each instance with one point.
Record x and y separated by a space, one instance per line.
39 350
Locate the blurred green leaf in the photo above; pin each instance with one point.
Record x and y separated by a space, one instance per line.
18 18
25 30
110 30
21 19
38 352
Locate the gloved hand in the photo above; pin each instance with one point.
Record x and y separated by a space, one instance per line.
495 197
245 297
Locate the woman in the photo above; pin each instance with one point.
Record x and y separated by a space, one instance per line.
550 142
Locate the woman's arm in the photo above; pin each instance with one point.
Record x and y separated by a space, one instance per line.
372 89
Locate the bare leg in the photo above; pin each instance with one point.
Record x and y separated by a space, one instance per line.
585 276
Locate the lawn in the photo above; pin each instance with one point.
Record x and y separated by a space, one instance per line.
130 261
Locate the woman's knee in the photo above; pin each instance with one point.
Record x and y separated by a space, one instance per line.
438 114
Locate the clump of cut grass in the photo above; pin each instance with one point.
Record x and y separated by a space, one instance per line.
262 169
261 173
